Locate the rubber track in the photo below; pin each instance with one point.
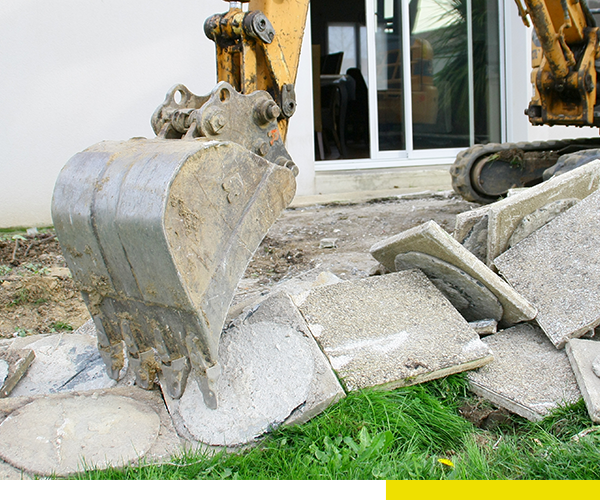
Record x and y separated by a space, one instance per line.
465 160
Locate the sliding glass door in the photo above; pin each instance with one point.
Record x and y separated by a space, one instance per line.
430 70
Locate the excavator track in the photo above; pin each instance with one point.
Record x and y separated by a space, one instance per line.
500 174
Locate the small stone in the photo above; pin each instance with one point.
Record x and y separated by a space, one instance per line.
328 243
3 371
485 326
596 366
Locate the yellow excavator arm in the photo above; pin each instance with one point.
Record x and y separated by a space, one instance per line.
563 59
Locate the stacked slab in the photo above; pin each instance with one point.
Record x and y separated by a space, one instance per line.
544 242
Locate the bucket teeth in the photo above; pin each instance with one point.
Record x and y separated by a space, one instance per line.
157 244
113 358
175 377
146 369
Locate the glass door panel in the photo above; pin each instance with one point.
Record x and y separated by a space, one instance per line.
486 71
390 100
440 74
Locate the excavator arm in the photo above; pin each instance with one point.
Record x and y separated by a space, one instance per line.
564 79
158 232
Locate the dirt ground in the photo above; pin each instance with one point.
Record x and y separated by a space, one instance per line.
37 293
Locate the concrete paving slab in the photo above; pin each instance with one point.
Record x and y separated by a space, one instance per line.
431 239
272 373
582 355
528 375
63 362
379 331
557 269
522 211
64 433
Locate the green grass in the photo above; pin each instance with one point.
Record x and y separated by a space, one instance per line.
401 434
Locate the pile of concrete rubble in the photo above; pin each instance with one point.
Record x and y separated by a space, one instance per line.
531 264
513 296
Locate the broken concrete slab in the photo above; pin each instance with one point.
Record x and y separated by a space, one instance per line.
272 373
63 362
528 375
295 287
325 388
557 269
379 331
16 361
582 355
431 239
65 433
470 230
487 231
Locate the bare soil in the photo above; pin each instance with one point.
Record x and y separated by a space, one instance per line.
38 295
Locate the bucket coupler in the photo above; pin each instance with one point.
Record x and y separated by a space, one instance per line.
158 232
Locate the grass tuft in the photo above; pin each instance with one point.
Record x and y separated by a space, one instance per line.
409 433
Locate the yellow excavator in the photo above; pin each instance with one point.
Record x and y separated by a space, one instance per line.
158 232
565 61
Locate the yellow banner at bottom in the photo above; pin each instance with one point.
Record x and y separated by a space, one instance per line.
493 490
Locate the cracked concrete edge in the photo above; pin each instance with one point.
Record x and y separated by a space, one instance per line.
504 402
426 377
430 238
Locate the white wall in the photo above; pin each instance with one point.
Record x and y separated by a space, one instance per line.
78 72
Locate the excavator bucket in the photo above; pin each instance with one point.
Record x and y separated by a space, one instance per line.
158 232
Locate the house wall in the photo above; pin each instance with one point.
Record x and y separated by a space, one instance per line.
78 72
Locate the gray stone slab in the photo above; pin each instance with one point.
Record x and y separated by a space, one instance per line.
273 373
582 355
63 362
557 269
61 433
528 375
391 331
505 216
431 239
10 473
470 297
325 388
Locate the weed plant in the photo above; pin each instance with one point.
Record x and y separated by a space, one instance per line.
410 433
